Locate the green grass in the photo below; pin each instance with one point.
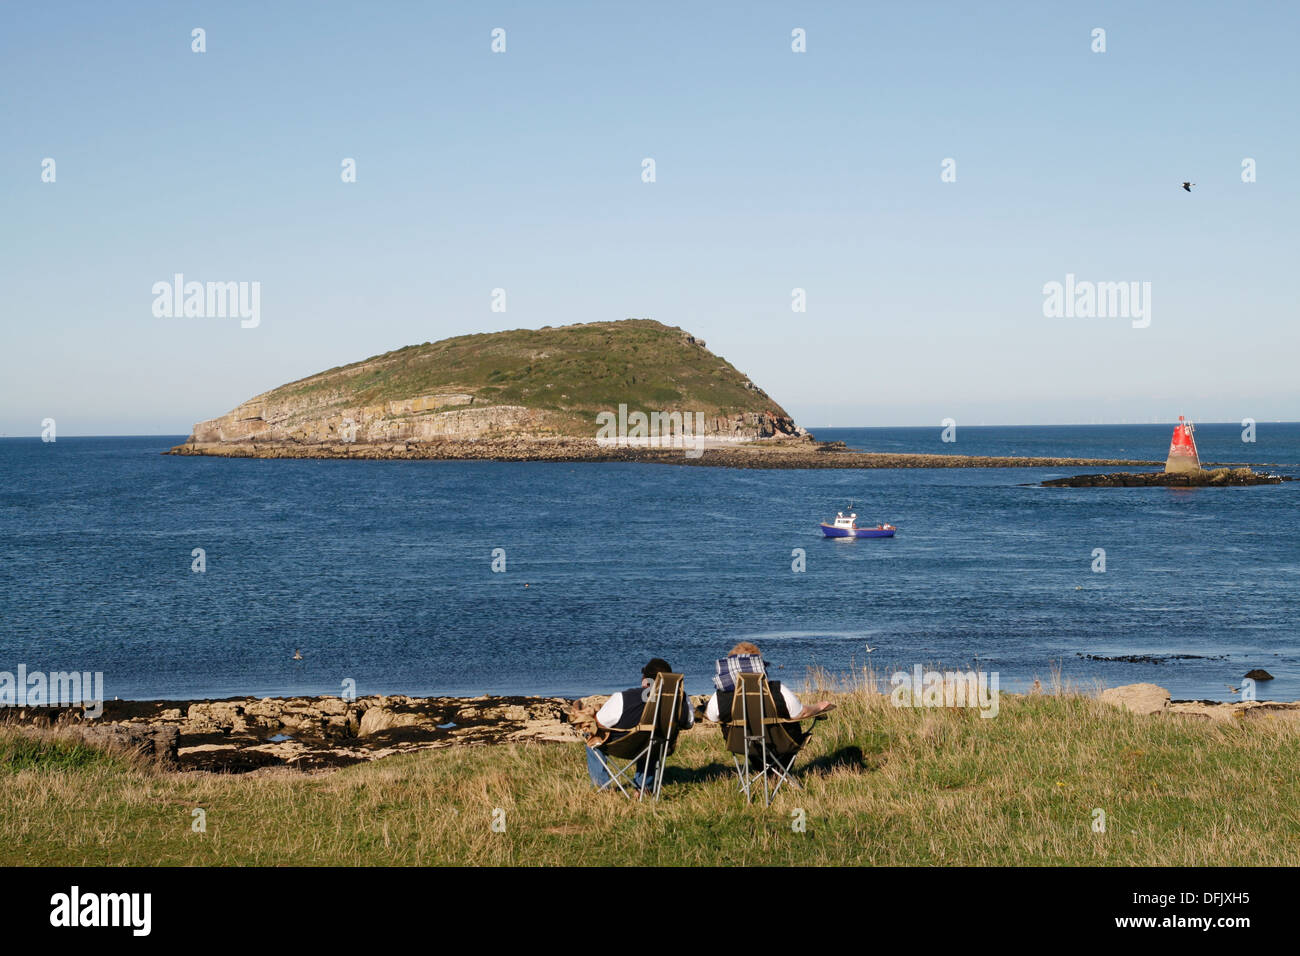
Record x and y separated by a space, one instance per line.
23 751
883 786
574 371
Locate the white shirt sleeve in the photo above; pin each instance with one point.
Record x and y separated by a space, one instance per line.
711 711
610 711
791 701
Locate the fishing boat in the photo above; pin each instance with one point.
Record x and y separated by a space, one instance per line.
846 526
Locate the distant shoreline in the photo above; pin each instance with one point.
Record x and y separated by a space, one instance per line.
760 454
772 453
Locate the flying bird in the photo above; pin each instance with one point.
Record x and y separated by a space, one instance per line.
297 654
1188 186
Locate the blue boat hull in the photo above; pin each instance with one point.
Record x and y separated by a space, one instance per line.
833 532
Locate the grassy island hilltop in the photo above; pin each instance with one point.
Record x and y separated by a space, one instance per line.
525 383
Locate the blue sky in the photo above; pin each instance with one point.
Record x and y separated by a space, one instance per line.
774 170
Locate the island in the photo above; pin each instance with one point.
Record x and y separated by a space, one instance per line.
628 390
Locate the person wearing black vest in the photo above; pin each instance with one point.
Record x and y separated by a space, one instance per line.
622 712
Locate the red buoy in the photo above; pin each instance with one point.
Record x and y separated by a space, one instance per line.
1182 449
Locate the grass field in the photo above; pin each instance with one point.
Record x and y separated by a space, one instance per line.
884 785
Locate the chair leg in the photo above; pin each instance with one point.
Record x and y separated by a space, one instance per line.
787 772
740 774
783 774
659 771
614 777
649 776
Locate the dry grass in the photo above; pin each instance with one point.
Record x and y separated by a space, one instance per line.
884 785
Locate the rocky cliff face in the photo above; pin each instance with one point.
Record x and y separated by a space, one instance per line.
269 418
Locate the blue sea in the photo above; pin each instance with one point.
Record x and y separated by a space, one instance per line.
382 572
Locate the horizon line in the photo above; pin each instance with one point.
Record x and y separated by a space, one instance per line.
811 428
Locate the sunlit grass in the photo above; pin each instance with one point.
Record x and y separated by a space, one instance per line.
883 785
574 371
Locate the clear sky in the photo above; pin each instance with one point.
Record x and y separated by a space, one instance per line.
774 170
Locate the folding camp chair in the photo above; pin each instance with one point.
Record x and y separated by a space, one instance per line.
764 740
650 741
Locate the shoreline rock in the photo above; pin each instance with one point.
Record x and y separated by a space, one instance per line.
1148 699
1137 698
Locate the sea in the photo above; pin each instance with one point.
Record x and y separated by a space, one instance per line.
184 578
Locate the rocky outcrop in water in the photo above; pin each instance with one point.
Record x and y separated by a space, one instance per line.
1216 478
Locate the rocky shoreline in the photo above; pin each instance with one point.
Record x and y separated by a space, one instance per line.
247 734
771 453
1206 478
242 734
